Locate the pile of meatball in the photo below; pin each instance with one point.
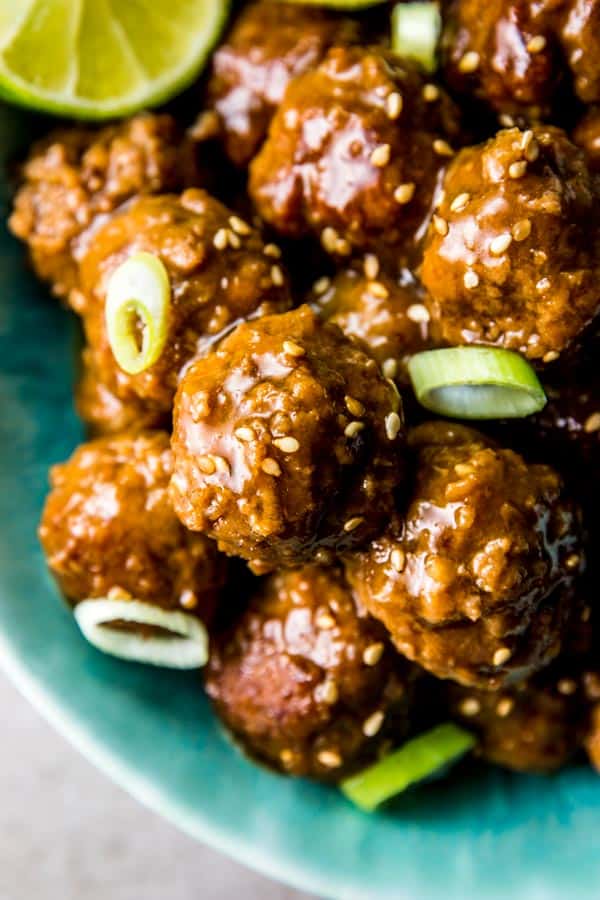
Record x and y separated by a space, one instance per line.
324 210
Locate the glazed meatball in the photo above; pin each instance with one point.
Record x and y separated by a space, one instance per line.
287 441
535 726
269 44
475 579
512 254
306 681
104 413
353 153
219 273
515 54
77 175
587 136
386 314
109 530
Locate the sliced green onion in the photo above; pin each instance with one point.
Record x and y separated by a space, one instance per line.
416 760
416 29
476 383
137 312
185 647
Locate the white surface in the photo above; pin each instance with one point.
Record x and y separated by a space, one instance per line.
67 833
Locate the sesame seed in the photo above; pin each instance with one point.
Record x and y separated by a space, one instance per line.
220 239
526 139
325 621
536 44
277 276
352 429
542 285
353 523
469 62
394 104
440 225
373 724
393 424
389 368
287 444
329 239
505 706
118 593
371 266
293 349
398 559
550 356
442 148
506 120
471 280
500 244
373 653
404 192
431 93
272 250
327 692
566 686
501 656
287 757
572 561
470 706
460 202
188 599
239 226
245 434
354 406
517 169
418 313
234 240
222 465
521 230
271 467
206 464
380 156
377 289
342 247
532 152
592 423
329 758
321 285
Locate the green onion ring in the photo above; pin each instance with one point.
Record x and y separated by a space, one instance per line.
416 29
476 383
418 759
187 649
138 292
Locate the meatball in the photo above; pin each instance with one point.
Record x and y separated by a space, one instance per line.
75 176
587 136
514 55
287 442
512 254
220 273
269 44
353 153
475 579
109 530
308 682
535 726
386 314
104 412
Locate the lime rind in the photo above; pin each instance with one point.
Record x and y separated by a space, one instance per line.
145 91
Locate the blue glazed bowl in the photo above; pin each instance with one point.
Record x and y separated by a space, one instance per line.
481 835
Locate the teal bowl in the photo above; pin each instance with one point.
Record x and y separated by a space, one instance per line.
480 835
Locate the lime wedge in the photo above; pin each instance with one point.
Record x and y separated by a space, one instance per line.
96 59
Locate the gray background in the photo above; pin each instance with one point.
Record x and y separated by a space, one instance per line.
67 833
